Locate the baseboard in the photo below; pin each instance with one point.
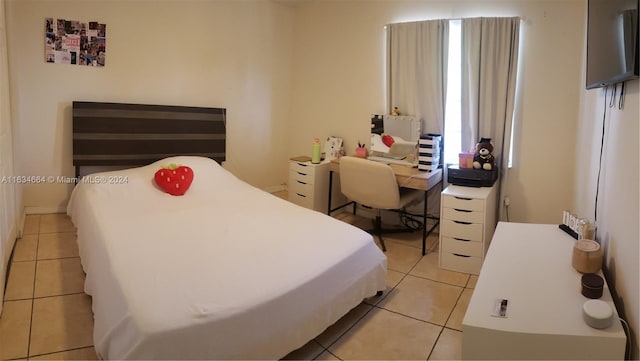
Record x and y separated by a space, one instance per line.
20 224
13 235
4 269
274 189
45 210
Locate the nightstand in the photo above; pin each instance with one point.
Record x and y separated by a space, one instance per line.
309 185
467 222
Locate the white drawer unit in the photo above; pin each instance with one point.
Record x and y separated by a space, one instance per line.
467 222
309 185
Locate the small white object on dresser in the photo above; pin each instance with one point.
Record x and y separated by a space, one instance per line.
467 222
309 185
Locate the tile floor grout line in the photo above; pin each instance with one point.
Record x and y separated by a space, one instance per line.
33 301
319 353
452 329
411 317
18 299
454 306
65 350
29 260
331 353
60 295
347 330
30 329
438 281
435 343
445 325
57 258
420 320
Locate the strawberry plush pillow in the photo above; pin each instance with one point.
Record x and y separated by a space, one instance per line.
174 179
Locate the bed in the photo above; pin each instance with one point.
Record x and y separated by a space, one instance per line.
226 271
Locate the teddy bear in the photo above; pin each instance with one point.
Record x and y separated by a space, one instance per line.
483 159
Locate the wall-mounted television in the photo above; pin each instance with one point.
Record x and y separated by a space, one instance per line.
612 42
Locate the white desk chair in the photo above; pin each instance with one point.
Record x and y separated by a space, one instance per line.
374 184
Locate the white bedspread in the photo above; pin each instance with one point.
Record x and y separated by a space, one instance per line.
226 271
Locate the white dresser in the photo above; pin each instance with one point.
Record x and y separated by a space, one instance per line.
530 266
309 185
467 222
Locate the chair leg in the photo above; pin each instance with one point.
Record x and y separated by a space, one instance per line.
378 230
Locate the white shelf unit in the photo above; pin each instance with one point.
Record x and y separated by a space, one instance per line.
467 222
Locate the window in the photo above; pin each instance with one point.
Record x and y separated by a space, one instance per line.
452 120
421 52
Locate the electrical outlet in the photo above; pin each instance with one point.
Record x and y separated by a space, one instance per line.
507 201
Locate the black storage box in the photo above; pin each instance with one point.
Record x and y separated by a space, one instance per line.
471 177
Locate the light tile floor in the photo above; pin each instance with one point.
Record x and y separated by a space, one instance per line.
48 316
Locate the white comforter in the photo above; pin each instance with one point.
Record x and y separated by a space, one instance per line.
226 271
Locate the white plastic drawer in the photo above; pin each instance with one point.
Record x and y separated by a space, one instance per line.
462 247
301 199
468 231
300 186
455 214
305 169
299 177
460 263
467 204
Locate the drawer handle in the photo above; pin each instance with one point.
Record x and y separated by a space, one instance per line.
301 195
461 222
464 199
301 182
460 255
302 164
301 173
462 210
462 239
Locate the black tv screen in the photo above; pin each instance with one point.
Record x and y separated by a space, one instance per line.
612 42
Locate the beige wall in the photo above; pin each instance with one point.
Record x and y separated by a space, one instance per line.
232 54
619 197
339 80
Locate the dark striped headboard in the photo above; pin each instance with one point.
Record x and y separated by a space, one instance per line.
116 134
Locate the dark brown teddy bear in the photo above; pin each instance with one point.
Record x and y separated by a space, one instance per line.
483 159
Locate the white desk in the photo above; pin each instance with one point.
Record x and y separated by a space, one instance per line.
530 265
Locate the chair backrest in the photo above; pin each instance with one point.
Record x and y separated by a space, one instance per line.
370 183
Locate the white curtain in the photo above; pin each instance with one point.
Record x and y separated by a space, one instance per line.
417 55
489 69
490 60
8 214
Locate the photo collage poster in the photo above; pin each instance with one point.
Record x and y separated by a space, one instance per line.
74 42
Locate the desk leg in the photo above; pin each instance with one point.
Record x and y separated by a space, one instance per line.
424 224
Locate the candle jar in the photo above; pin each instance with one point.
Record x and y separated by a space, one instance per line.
586 229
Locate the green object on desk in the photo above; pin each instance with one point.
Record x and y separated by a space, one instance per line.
315 155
